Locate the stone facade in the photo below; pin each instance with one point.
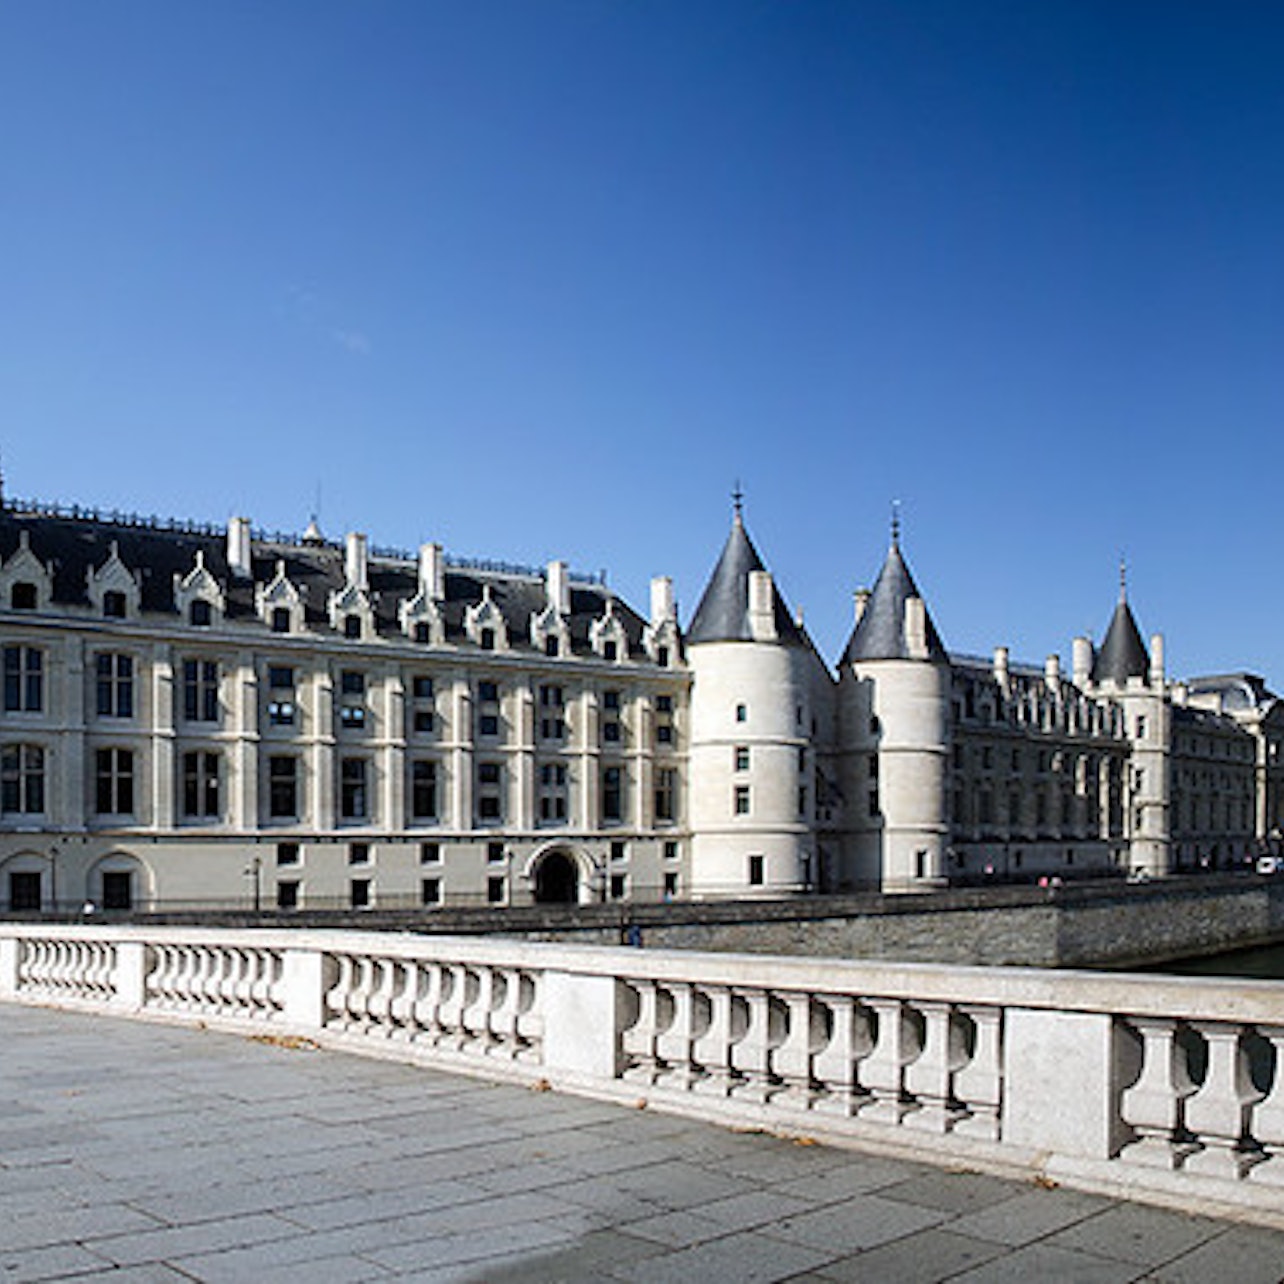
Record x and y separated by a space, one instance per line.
200 717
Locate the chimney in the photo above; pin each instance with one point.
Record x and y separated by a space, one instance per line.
916 628
1052 672
1001 665
662 608
432 572
1157 660
762 615
558 584
1082 661
238 548
356 562
862 601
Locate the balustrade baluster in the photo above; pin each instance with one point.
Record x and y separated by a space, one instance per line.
1154 1107
638 1039
673 1045
751 1054
804 1037
336 998
1268 1115
476 1016
427 1013
456 1000
978 1084
712 1048
530 1017
401 1011
931 1077
1219 1110
835 1065
883 1071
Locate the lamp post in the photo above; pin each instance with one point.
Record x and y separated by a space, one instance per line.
253 871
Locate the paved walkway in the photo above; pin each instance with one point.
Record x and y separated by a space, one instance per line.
135 1152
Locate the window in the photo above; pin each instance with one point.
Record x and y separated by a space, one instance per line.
352 717
114 681
423 789
611 701
488 724
612 794
358 853
351 626
287 894
664 734
422 687
664 704
359 893
114 782
741 756
200 690
662 657
619 851
757 873
25 892
200 613
619 886
488 692
488 801
495 853
200 784
670 884
422 632
114 604
283 787
352 682
742 713
281 624
281 713
287 853
353 797
488 639
118 889
1141 727
424 721
551 697
610 651
671 851
22 779
666 786
552 729
281 677
742 800
430 891
429 853
24 681
495 889
552 644
23 596
488 773
611 732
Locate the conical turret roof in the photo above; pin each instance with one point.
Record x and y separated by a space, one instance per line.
880 632
1123 653
723 613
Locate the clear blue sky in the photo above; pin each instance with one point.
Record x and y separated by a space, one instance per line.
543 278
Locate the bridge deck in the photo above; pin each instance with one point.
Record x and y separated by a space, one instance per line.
136 1152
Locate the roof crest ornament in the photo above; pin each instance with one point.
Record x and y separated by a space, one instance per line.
1123 578
737 501
896 523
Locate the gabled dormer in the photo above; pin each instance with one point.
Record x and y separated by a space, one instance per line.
484 624
550 632
26 583
607 636
279 603
198 596
350 609
112 588
421 616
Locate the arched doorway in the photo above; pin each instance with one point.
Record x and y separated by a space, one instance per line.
557 880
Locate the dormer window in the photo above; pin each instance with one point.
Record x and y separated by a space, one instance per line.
351 626
487 639
662 657
200 613
423 633
114 604
552 644
280 619
610 651
23 596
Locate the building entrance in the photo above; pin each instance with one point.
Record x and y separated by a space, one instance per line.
557 880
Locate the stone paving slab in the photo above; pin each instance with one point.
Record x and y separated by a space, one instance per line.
134 1153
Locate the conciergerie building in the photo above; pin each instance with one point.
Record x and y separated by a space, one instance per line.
199 716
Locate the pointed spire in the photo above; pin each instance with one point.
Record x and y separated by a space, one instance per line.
880 632
1123 653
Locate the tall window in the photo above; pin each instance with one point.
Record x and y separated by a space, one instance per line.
200 784
200 690
24 679
666 790
114 782
612 794
742 800
283 786
552 795
489 780
22 779
354 800
423 789
115 685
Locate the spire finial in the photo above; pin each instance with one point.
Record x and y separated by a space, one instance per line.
896 523
737 500
1123 578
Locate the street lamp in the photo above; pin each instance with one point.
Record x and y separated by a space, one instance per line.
253 870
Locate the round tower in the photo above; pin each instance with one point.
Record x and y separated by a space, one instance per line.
748 737
894 690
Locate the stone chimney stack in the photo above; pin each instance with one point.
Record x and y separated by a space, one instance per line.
1001 665
356 562
662 606
1052 672
762 614
432 572
862 601
1082 661
1157 661
238 548
558 582
916 628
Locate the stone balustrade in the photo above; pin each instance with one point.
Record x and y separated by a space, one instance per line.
1170 1089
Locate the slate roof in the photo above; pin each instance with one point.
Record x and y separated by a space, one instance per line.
1123 654
880 632
723 613
73 546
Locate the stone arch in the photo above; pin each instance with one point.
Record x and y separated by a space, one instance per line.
560 874
119 881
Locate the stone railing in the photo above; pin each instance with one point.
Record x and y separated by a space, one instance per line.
1170 1089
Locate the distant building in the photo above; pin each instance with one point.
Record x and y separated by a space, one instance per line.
196 717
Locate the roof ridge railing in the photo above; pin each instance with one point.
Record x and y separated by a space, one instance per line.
289 539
